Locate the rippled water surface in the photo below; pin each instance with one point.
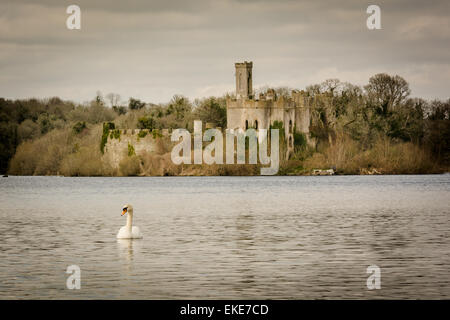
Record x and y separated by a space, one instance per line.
226 237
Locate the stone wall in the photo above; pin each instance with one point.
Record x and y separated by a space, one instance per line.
261 113
267 111
117 149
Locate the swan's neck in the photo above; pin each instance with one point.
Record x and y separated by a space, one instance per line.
129 220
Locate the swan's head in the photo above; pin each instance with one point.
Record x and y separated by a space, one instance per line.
127 208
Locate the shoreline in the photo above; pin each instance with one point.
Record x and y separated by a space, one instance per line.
199 176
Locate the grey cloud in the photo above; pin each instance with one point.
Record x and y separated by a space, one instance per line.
154 49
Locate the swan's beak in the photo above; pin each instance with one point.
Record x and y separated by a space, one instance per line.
124 211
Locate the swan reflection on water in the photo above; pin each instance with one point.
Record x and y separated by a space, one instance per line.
128 251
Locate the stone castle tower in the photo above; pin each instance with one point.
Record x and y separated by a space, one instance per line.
246 111
244 79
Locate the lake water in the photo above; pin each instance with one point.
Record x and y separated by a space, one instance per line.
226 237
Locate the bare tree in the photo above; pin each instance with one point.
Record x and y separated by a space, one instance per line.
113 98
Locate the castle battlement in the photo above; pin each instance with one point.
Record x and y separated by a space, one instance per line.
258 104
244 64
137 132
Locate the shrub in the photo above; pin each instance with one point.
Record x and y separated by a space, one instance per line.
85 162
23 161
135 104
79 127
28 129
142 133
115 134
146 122
212 110
156 134
299 140
131 151
120 110
106 127
42 156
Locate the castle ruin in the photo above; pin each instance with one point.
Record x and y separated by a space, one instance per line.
243 112
247 111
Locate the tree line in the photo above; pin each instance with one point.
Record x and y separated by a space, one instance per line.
350 126
24 121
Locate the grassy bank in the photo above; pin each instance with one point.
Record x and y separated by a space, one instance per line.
385 157
64 152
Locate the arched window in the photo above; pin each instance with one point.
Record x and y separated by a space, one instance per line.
246 124
256 124
290 126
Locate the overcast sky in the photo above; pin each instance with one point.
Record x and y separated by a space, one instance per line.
154 49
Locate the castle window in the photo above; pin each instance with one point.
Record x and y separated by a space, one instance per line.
290 126
246 124
256 124
290 141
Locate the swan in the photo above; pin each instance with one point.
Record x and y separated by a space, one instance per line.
128 231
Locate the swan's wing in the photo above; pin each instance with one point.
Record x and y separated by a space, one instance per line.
123 233
136 232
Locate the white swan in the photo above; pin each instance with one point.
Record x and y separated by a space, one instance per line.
128 231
